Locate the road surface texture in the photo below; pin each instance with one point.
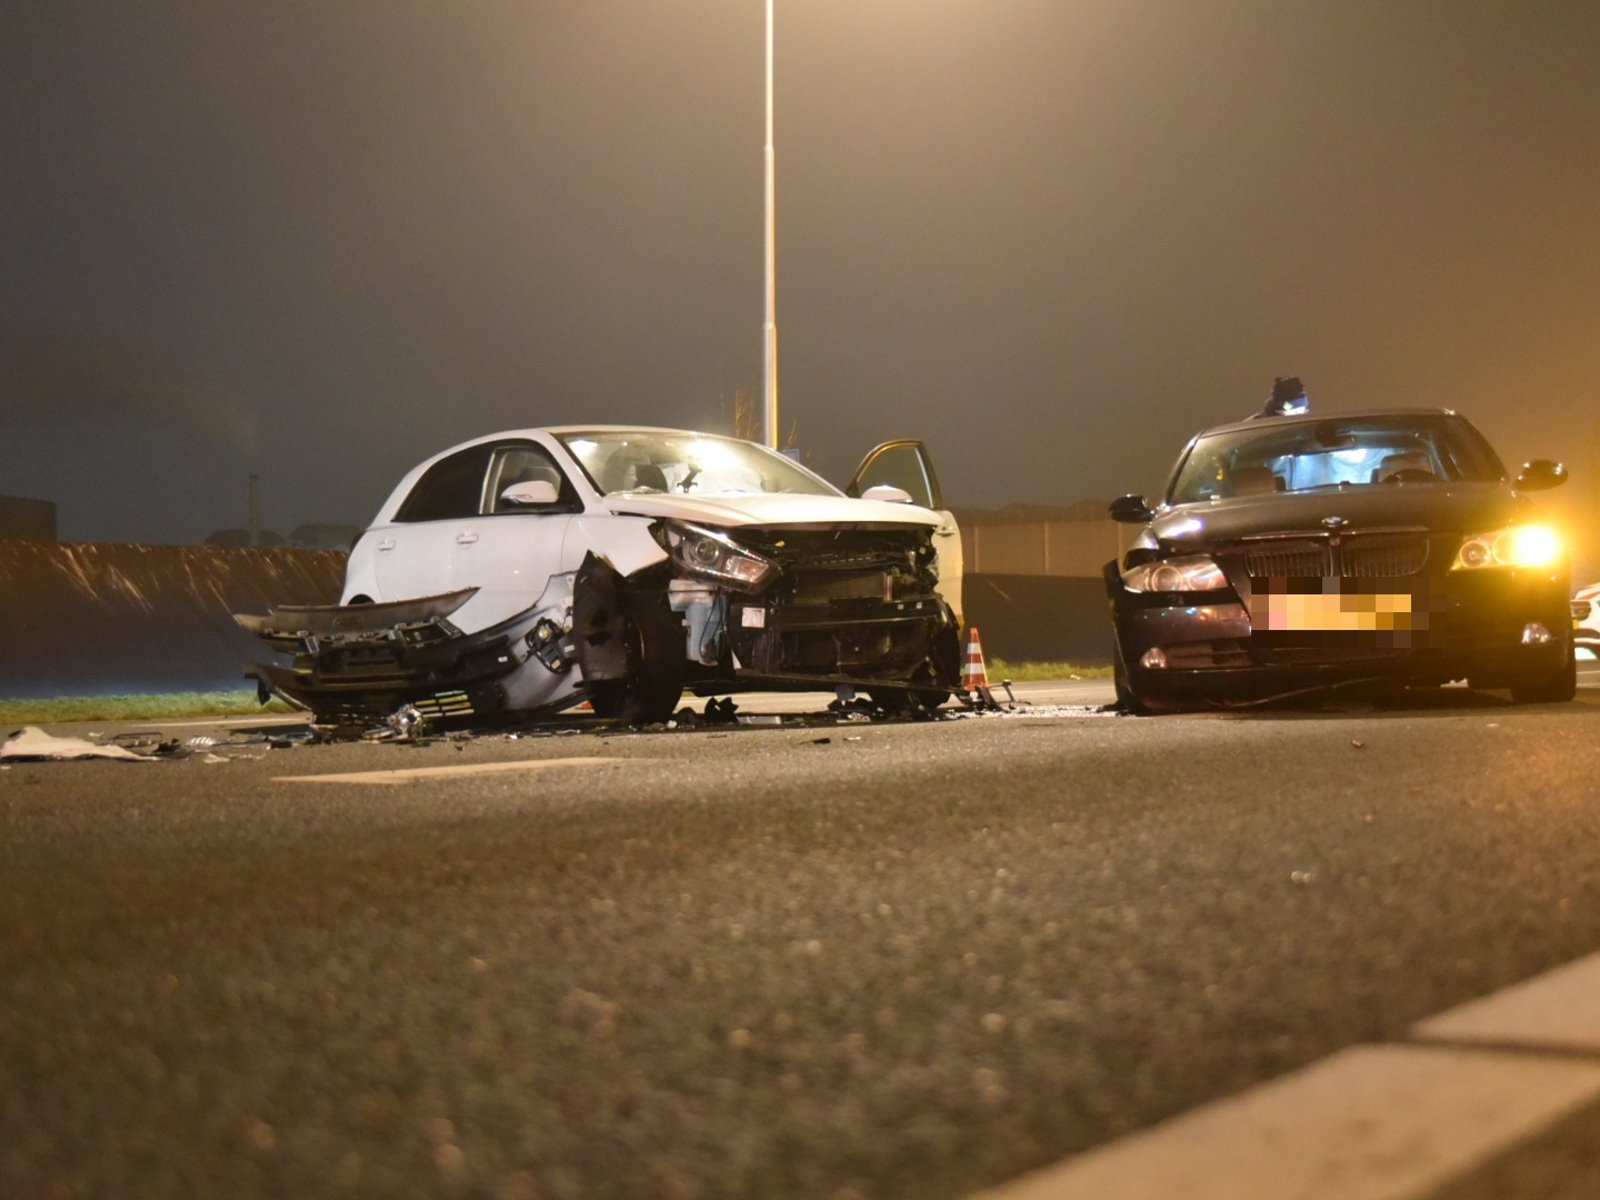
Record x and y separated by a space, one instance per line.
843 961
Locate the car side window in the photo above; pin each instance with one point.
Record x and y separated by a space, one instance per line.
450 489
903 465
524 462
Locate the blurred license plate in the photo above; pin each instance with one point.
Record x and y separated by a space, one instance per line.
1351 613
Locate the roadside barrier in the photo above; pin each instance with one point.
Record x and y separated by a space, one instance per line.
95 619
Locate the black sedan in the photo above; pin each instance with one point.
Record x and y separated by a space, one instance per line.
1295 553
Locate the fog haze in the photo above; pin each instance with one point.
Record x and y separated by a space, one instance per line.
318 242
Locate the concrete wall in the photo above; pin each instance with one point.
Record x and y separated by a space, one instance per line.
1076 549
28 520
83 619
1039 618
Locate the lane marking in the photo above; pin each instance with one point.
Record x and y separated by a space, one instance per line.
412 774
1368 1123
1558 1010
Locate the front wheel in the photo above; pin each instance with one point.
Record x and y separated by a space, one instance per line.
650 690
1128 700
1558 687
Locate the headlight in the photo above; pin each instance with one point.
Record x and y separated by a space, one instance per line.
707 554
1517 546
1195 573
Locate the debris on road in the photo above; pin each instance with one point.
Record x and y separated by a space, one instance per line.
33 743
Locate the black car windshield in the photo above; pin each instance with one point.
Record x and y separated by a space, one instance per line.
654 460
1274 455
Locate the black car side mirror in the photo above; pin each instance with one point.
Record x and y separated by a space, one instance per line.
1131 509
1539 474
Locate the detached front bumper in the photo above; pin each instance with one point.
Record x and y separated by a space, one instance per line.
349 662
1494 630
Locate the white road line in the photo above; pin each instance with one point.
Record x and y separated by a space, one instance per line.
1371 1122
412 774
1559 1010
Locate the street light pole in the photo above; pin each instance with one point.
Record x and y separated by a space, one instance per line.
769 331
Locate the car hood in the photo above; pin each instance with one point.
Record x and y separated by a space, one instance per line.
780 509
1440 508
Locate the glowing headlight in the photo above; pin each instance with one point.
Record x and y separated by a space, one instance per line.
1517 546
1195 573
707 554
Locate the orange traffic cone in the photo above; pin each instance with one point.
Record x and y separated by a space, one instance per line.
974 674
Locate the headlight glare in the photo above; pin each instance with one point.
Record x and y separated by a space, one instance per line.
1527 546
1192 573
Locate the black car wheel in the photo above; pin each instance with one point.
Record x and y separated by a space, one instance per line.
1128 699
936 676
657 669
1559 686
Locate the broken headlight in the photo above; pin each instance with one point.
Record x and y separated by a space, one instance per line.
708 554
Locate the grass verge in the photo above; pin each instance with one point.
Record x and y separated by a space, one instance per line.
1029 672
135 708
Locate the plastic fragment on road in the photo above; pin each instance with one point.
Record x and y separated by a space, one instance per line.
34 743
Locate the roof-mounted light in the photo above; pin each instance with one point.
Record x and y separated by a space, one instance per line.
1288 398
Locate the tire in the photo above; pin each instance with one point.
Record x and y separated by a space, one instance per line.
1558 687
1128 699
657 668
936 678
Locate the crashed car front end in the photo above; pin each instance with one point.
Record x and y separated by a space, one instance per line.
713 611
804 607
622 566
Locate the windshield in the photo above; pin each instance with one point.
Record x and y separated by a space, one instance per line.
640 460
1301 456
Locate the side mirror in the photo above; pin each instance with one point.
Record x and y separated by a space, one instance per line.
1539 474
530 493
1131 510
887 491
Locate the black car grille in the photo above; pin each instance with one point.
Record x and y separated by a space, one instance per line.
1358 556
1289 560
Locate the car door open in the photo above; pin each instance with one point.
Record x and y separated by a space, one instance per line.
905 464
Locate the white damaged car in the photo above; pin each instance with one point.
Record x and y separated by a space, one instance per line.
1586 618
522 573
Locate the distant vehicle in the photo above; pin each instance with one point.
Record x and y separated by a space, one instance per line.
1586 618
528 571
1292 551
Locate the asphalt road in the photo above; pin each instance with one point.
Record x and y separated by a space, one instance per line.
811 960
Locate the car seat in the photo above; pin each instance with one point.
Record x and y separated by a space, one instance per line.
1254 481
1413 465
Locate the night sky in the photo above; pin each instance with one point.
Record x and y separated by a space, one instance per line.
321 240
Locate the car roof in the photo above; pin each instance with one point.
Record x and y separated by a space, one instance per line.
1316 418
533 432
563 430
